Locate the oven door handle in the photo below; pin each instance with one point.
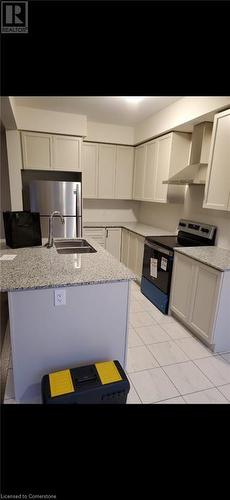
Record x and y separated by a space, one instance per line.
159 249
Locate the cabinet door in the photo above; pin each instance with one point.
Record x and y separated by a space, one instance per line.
132 257
162 168
89 170
125 237
96 233
182 285
66 153
204 300
217 189
150 170
113 241
138 182
140 254
106 171
124 172
37 150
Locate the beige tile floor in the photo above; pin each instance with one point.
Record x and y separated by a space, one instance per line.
165 362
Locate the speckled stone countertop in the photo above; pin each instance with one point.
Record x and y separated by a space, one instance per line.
216 257
137 227
41 267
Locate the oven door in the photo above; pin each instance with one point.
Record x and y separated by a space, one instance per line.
157 266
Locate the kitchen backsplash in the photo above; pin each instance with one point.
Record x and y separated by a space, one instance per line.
110 210
168 215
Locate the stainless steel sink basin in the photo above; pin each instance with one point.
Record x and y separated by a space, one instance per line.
73 246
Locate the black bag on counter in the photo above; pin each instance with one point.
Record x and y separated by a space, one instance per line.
22 229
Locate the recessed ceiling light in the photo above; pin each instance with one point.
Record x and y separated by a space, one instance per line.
134 99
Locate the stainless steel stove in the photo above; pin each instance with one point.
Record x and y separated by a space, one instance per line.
158 258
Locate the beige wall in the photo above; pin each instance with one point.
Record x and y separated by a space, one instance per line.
110 210
168 215
105 132
54 122
5 184
183 111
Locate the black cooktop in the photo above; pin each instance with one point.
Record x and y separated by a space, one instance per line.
165 241
182 240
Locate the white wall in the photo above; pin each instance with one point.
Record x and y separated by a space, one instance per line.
106 132
110 210
42 120
168 215
14 155
182 111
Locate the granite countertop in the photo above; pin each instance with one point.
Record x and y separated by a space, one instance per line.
40 267
136 227
216 257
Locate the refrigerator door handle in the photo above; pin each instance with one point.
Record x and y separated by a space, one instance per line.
77 192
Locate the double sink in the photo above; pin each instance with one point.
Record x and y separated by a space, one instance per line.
66 246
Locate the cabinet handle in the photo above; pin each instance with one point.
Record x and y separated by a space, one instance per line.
106 233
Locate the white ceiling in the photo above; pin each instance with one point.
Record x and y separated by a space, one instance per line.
101 109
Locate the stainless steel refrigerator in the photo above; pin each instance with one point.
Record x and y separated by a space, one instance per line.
64 196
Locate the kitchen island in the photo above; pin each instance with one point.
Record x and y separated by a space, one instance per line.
64 311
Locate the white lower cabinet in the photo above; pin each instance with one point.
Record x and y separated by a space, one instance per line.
113 241
132 251
125 246
96 233
108 237
198 294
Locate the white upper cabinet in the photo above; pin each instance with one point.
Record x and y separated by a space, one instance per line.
217 188
155 162
124 173
46 151
139 170
66 153
106 170
89 169
150 170
162 168
36 150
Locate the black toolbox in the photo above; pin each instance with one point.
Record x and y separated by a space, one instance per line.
100 383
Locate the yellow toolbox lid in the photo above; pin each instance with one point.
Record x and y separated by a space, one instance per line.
108 372
60 383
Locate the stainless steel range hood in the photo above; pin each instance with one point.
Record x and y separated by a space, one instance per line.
195 172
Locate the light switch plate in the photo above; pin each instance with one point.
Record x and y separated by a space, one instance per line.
59 297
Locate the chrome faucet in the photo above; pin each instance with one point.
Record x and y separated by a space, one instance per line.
50 242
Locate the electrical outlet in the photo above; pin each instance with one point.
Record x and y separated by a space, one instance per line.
59 297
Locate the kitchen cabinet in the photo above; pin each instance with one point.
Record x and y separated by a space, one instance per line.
36 150
162 168
96 233
139 255
139 171
125 246
108 237
46 151
132 254
199 297
150 170
217 188
113 241
89 169
132 251
124 172
106 170
66 153
155 162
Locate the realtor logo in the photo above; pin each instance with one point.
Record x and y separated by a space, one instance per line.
14 17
